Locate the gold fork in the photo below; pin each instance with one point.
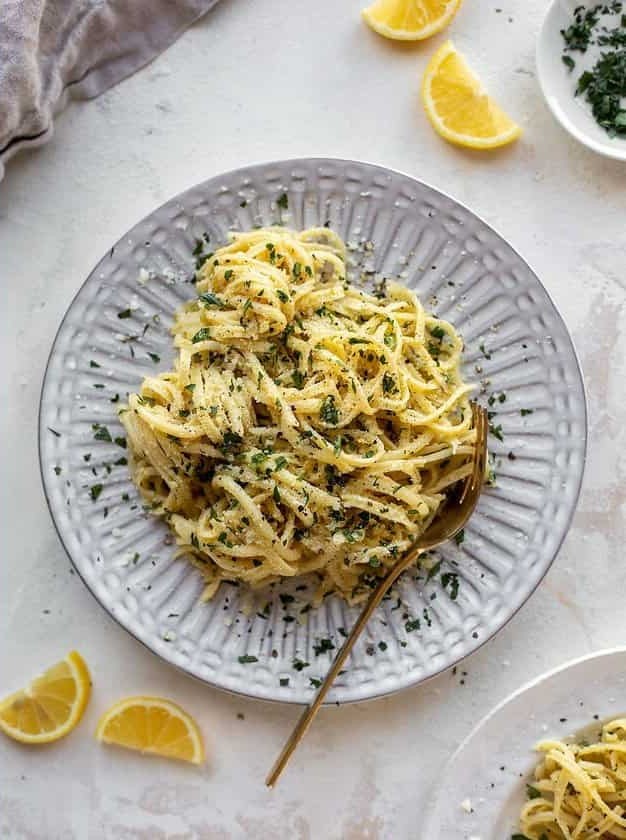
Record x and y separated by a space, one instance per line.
457 510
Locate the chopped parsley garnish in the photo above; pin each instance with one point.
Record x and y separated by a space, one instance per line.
209 299
230 441
282 296
496 431
437 332
389 384
485 353
101 432
382 646
298 379
526 411
390 340
228 274
276 494
532 792
121 441
58 470
284 681
323 646
203 334
246 659
191 387
412 624
283 201
200 261
299 664
434 570
451 579
459 537
329 412
604 85
155 358
315 682
95 491
223 538
93 364
125 313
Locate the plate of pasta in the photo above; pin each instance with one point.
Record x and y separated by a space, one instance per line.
556 773
259 399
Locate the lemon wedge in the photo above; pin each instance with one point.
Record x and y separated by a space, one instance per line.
458 106
152 725
51 706
410 20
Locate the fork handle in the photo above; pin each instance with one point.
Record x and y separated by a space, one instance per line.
309 713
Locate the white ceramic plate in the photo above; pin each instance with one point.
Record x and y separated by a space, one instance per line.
559 84
463 270
483 786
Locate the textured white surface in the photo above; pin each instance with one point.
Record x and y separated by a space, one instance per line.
364 771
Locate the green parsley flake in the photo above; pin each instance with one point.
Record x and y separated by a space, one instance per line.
329 412
203 334
95 491
101 432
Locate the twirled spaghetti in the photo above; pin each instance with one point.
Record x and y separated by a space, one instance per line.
308 427
580 789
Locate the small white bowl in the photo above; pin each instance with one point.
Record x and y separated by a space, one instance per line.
558 84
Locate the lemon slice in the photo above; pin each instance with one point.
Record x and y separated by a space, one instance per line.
152 725
459 108
51 706
410 20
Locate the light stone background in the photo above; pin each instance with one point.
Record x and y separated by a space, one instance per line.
259 81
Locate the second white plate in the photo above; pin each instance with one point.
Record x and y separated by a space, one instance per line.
483 785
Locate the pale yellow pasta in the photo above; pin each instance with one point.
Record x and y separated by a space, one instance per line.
308 427
579 792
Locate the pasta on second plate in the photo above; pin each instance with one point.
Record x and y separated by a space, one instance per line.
579 790
308 427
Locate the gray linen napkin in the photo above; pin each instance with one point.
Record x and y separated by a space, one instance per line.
54 49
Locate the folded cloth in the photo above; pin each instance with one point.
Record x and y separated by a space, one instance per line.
54 49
